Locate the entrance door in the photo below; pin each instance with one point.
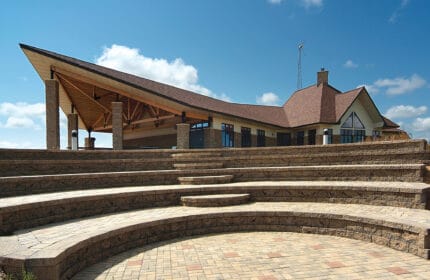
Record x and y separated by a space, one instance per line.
283 139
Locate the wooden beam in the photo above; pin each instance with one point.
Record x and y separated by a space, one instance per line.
82 92
116 90
135 109
74 107
137 122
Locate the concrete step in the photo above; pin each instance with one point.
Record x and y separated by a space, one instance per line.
25 185
35 210
215 200
201 165
61 250
199 180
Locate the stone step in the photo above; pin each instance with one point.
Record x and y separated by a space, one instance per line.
35 210
215 200
25 185
325 159
199 180
427 174
198 165
196 155
45 167
61 250
27 154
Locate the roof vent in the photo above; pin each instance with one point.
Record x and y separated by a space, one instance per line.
322 77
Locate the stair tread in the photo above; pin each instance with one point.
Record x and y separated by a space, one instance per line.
58 197
309 167
52 240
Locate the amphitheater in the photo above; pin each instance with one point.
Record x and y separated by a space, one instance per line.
62 212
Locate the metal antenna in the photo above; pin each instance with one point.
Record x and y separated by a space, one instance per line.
299 67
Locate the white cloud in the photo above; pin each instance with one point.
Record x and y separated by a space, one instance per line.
20 122
268 98
422 124
312 3
22 115
405 111
401 85
397 86
350 64
274 1
394 16
22 109
370 88
174 72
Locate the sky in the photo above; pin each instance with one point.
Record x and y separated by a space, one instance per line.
243 51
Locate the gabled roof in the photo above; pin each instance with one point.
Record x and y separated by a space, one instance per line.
315 104
318 104
389 123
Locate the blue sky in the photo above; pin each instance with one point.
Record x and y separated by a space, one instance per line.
240 50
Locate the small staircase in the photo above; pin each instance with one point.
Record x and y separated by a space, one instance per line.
201 160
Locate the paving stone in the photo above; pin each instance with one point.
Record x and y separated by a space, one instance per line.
297 262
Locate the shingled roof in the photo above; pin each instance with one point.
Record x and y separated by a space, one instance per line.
315 104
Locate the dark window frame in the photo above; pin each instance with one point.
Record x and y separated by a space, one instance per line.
300 138
261 138
245 137
227 135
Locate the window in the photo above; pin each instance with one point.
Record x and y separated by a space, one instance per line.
311 136
227 134
261 138
199 125
330 135
300 138
246 136
283 139
352 130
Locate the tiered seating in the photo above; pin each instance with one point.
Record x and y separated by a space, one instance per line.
62 211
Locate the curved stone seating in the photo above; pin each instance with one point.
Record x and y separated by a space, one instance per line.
215 200
61 250
9 168
55 225
36 210
24 185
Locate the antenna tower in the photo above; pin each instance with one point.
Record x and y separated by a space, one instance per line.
299 67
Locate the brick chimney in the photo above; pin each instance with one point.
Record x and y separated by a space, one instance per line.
322 77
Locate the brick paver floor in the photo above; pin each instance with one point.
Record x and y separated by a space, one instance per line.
261 256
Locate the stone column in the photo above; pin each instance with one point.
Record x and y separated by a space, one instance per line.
52 115
183 136
117 136
72 124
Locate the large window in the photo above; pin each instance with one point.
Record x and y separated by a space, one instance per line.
283 139
227 135
261 138
311 136
352 130
246 136
300 138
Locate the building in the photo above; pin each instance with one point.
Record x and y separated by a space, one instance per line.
142 113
